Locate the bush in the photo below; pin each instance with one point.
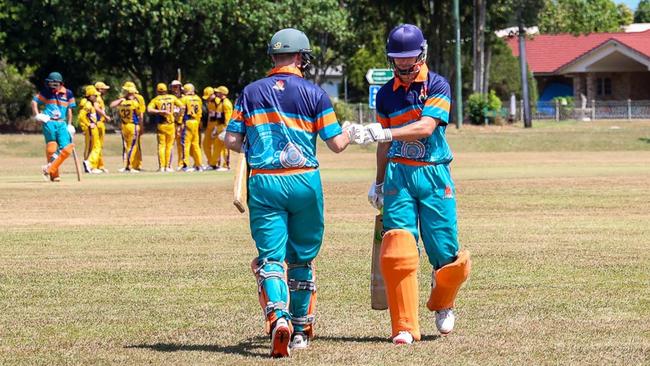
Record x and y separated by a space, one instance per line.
15 97
567 107
481 106
345 111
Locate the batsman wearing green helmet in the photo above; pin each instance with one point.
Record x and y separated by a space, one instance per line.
276 122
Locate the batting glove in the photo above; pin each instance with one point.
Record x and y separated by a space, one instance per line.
356 131
376 195
376 133
42 117
71 130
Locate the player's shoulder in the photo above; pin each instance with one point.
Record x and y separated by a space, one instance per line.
437 82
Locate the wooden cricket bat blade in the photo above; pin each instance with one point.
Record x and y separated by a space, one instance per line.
241 184
377 287
76 164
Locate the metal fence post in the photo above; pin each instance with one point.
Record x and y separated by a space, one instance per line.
593 109
521 110
629 110
360 114
557 110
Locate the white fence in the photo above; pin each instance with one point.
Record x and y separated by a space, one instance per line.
596 109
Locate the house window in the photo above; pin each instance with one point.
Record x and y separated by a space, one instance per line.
604 86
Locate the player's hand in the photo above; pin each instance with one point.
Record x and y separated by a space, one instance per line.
376 133
71 130
356 132
376 195
213 134
222 135
92 125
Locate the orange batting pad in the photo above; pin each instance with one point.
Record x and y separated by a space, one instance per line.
448 280
65 152
399 265
50 150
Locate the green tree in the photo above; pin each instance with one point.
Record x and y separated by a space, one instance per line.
625 14
581 16
642 13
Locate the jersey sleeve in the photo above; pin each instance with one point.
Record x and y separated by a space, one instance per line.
152 104
39 99
227 110
327 125
72 103
438 102
237 120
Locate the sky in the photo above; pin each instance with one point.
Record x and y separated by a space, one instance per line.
631 3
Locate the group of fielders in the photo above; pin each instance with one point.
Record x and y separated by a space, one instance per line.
176 111
275 123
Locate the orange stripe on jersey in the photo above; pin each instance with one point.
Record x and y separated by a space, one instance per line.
411 162
326 120
408 116
275 117
384 121
282 171
438 102
237 115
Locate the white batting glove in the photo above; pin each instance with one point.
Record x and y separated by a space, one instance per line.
71 130
376 133
357 133
376 195
42 117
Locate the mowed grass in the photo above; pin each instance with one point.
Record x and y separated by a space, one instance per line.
154 269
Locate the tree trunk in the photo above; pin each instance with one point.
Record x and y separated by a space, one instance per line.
486 71
479 13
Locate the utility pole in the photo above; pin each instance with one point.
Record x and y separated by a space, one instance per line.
459 79
528 123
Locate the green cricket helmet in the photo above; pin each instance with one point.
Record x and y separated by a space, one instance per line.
54 76
291 40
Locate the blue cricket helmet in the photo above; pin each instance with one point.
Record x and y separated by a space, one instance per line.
406 40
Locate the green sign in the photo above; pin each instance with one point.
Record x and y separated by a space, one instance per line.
379 76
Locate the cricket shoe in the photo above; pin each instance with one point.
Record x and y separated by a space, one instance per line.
104 170
445 320
46 172
187 169
403 337
169 170
96 171
123 170
222 169
87 168
135 170
280 338
55 179
299 340
199 168
161 170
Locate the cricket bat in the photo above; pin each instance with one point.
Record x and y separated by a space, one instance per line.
241 183
377 287
76 164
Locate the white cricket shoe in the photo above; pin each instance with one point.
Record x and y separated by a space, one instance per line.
403 337
300 341
46 172
198 168
445 320
123 170
96 171
222 169
169 170
161 170
135 170
280 338
104 170
188 169
87 167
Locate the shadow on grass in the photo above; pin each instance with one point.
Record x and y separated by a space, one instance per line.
645 139
259 346
255 347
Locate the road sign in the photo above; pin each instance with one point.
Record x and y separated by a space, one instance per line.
379 76
372 96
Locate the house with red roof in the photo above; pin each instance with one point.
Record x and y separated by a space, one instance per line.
600 66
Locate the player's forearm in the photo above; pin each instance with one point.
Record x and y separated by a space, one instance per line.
69 116
339 142
415 131
382 161
117 102
234 141
34 107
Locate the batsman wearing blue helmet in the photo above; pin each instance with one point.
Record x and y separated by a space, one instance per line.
414 186
275 122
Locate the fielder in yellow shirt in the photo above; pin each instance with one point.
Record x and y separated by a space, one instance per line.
88 122
102 118
176 88
210 141
162 108
190 134
128 108
141 110
224 112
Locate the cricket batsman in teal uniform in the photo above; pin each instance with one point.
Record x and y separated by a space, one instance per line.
56 117
415 188
275 122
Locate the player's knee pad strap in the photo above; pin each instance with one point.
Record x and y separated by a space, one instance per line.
399 264
447 280
263 270
302 277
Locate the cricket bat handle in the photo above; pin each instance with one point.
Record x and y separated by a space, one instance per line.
241 184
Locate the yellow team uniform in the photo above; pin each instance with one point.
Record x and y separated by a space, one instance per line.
179 129
166 127
141 110
210 140
190 134
92 147
224 111
129 110
101 129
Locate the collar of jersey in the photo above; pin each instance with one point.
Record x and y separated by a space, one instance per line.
285 70
422 76
61 90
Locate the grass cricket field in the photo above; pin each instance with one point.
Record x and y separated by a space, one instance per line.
154 268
